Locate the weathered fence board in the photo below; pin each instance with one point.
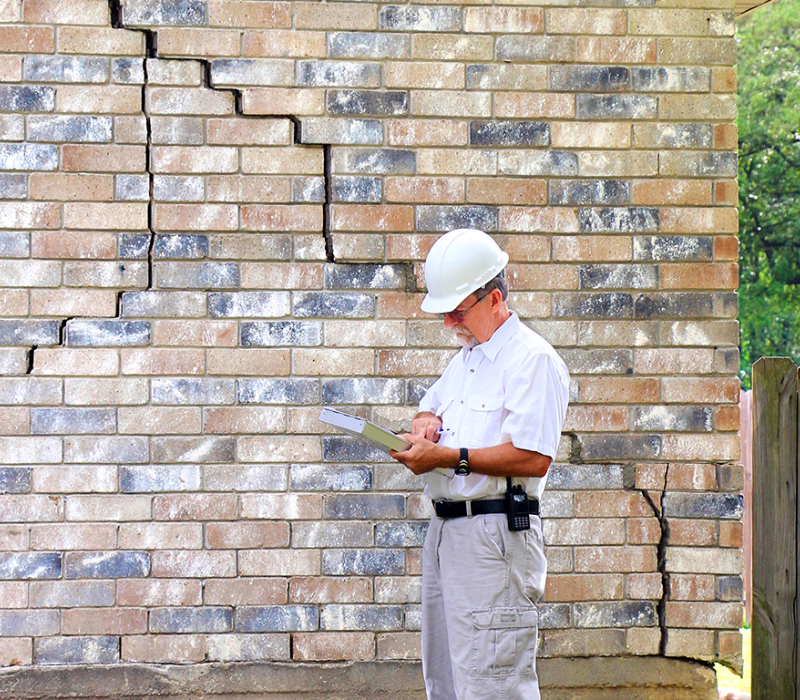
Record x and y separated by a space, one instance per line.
775 548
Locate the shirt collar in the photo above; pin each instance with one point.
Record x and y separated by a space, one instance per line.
500 337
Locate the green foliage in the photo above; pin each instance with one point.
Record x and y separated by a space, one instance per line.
769 183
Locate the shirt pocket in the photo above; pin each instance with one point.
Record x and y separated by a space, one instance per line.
483 420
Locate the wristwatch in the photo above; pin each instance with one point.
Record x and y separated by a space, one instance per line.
463 463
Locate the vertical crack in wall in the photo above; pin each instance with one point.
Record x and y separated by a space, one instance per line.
327 207
661 607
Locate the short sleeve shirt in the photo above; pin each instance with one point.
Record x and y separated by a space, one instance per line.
512 388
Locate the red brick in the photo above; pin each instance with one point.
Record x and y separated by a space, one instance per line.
579 587
322 590
104 621
256 188
427 132
13 594
16 651
158 592
615 559
268 362
692 477
643 531
281 506
295 101
103 159
361 217
586 21
13 302
198 42
333 646
611 504
164 648
399 645
313 15
193 564
249 132
196 217
253 591
597 418
404 305
160 536
195 333
14 421
534 105
502 190
726 248
238 13
100 41
700 220
280 43
247 535
658 192
691 587
730 534
27 39
425 190
71 187
195 507
158 361
265 275
600 49
73 245
242 419
71 536
79 363
726 138
698 614
619 390
277 217
700 390
66 12
400 363
73 302
112 99
11 69
114 216
592 248
280 562
520 20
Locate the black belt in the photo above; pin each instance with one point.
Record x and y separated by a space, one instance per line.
461 509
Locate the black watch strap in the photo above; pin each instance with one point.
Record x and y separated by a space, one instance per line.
463 462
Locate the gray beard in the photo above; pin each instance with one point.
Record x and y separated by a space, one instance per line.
464 337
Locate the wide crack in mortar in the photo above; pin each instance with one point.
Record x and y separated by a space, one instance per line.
658 512
151 40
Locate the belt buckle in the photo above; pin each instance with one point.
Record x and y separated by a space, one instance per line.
469 508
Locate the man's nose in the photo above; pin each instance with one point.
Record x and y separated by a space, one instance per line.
449 322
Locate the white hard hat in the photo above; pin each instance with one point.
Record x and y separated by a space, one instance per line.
460 262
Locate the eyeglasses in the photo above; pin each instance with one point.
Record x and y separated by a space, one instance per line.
458 315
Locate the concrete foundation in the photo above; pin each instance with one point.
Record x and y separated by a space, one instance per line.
635 678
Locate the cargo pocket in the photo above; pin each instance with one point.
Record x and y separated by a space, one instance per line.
504 642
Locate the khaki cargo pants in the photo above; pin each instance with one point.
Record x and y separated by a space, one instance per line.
480 584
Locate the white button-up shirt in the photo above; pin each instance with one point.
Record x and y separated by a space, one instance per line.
512 388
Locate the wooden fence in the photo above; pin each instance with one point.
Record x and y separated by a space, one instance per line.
775 542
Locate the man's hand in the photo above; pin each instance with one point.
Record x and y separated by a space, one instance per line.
426 425
424 456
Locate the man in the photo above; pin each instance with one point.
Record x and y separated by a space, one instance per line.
491 421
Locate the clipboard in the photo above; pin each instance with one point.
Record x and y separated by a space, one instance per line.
368 432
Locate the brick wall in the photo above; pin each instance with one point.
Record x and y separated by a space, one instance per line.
214 220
